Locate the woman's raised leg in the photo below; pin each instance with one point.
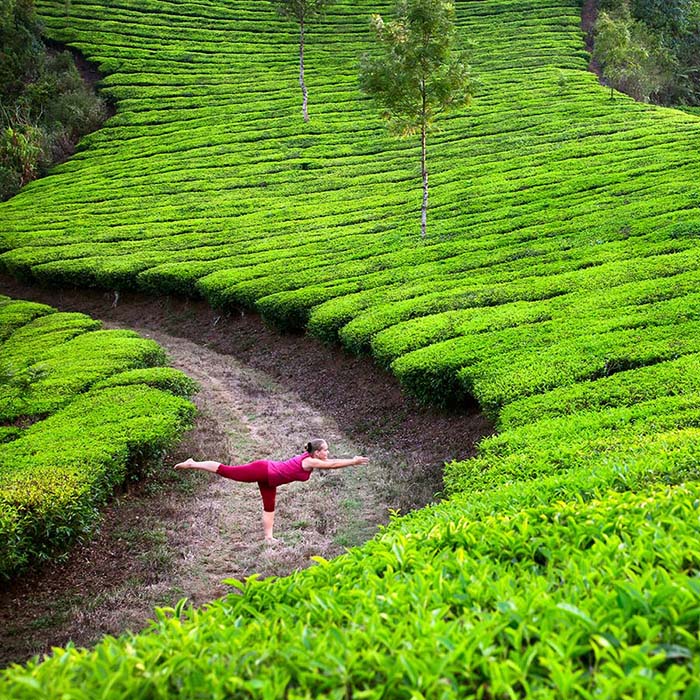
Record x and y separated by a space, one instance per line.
207 465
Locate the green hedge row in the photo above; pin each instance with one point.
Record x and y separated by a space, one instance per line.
576 600
558 285
629 303
665 429
40 382
676 377
57 474
81 409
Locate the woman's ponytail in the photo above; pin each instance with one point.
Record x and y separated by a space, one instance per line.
314 445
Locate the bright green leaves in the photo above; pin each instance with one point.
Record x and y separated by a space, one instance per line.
418 74
631 56
80 410
595 599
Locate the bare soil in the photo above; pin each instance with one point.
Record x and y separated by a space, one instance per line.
263 395
589 14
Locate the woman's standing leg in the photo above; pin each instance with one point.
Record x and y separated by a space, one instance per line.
254 471
268 494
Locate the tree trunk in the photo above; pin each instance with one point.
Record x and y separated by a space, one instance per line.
424 174
305 102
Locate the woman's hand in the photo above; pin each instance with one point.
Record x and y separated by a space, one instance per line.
357 459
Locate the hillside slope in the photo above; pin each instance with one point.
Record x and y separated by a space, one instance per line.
207 182
557 286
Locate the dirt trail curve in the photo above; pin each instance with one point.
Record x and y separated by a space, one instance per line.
262 396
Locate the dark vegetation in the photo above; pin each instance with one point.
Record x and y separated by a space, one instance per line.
650 49
45 106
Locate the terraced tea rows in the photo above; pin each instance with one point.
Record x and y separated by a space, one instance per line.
509 599
557 286
81 409
207 182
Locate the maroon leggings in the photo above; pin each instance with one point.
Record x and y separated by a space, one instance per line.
253 471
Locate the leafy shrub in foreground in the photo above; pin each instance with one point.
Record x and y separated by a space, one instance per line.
560 600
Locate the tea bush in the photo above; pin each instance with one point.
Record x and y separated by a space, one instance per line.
578 599
81 409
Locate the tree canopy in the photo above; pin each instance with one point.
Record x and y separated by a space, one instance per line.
416 73
44 104
651 48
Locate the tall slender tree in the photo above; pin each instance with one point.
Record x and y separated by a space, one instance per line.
303 12
417 74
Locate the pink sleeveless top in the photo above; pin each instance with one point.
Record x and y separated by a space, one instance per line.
279 473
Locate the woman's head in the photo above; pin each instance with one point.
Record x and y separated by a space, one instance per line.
316 445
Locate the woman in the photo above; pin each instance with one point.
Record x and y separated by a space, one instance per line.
270 475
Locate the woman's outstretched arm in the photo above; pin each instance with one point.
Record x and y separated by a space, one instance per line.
315 463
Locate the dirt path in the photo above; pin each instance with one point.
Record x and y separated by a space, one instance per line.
245 414
181 534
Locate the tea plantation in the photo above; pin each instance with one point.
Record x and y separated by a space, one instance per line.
81 410
558 286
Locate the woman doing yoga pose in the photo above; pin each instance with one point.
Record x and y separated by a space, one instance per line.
270 475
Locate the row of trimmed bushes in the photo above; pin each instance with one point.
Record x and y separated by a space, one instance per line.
577 599
557 284
82 410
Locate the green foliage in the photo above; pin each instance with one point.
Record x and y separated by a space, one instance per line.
75 421
20 45
14 314
578 599
671 17
630 57
48 374
559 287
417 75
57 474
163 378
651 48
677 377
44 105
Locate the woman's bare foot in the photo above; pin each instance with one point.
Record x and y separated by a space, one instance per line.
187 464
271 540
